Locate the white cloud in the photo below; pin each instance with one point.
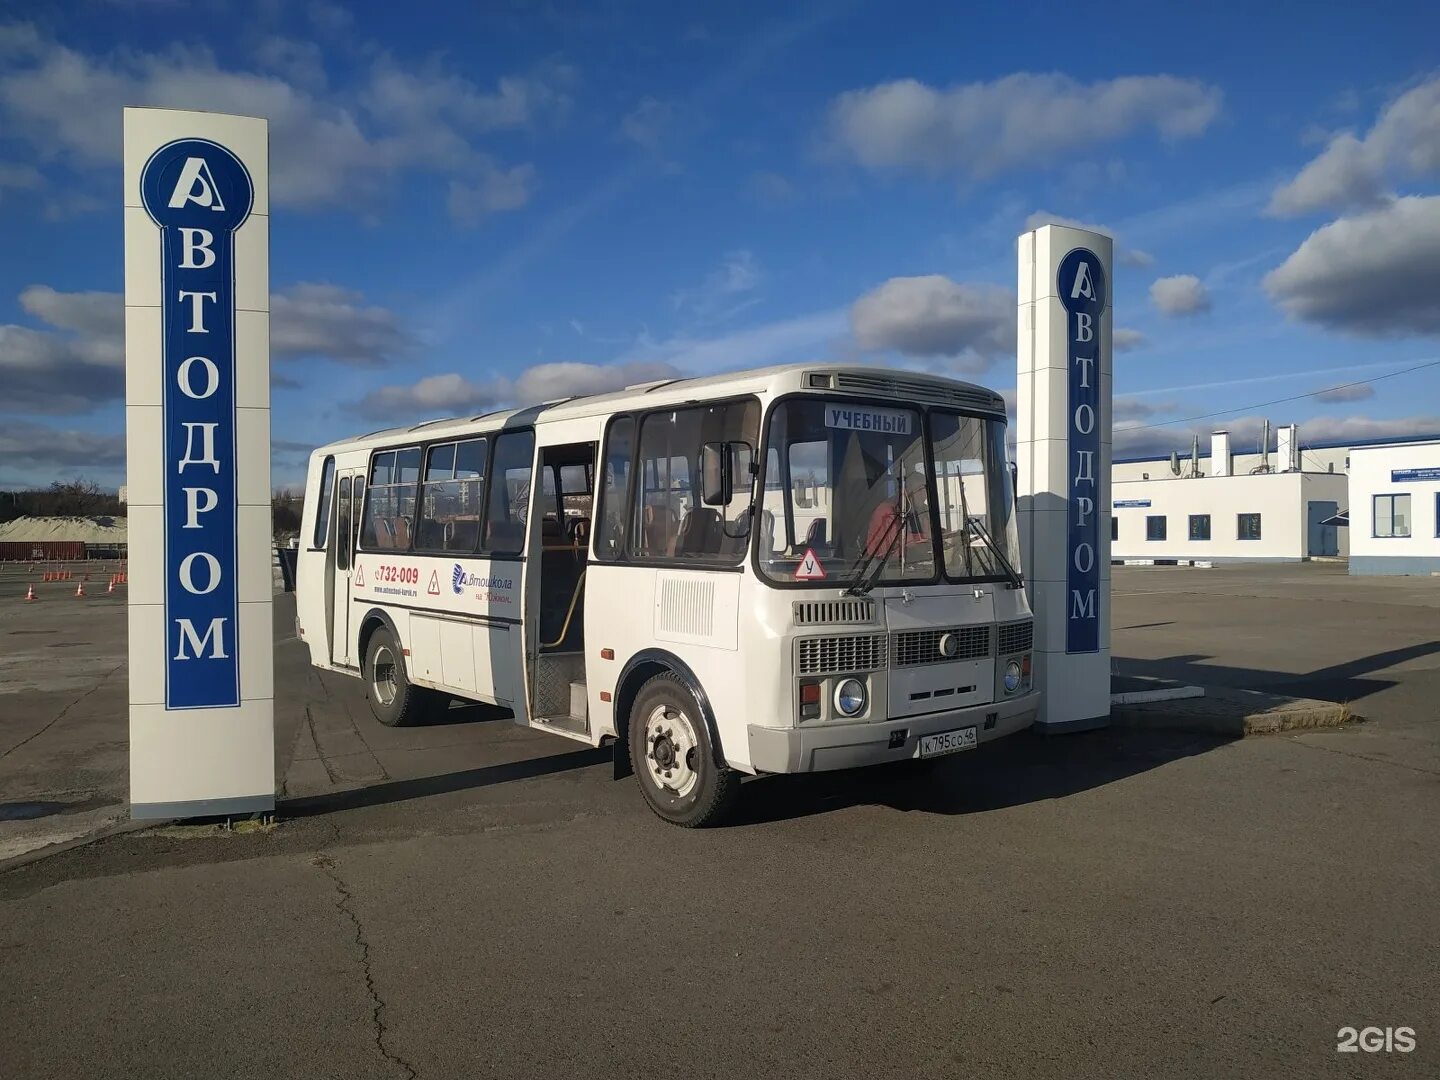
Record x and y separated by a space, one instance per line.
769 343
1182 294
1124 339
497 191
343 147
48 452
1376 274
725 292
770 189
327 321
453 394
932 316
1353 392
1024 119
647 124
1126 256
1352 172
1245 432
78 362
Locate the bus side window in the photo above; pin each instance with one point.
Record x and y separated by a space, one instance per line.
508 495
322 515
613 512
342 526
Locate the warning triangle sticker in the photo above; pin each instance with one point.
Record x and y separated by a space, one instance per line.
809 568
359 576
434 589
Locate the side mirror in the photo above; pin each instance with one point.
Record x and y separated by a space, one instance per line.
717 484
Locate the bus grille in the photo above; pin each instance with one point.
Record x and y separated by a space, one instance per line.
821 612
911 647
1016 637
838 655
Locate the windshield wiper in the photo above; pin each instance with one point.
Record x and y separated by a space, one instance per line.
874 563
981 531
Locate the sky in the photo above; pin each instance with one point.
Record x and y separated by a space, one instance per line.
482 204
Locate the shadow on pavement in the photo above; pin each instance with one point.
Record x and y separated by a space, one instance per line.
394 791
1024 768
1345 682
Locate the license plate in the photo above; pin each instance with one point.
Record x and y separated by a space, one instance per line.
947 742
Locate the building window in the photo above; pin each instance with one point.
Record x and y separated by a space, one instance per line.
1155 528
1199 526
1247 527
1392 515
1114 528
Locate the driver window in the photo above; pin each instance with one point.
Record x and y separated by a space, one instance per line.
672 522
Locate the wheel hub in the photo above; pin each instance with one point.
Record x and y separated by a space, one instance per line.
671 748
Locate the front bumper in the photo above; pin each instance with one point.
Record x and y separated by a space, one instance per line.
820 748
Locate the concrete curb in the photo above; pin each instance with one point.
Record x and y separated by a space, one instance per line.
118 829
1235 713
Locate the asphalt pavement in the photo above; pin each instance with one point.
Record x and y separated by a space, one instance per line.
473 899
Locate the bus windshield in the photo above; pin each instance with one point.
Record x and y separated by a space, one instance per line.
851 496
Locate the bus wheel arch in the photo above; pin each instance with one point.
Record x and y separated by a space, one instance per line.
374 620
640 669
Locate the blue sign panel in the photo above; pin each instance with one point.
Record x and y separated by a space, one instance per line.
1130 502
199 193
1408 476
1081 287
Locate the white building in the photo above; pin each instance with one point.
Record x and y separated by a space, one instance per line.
1273 511
1395 508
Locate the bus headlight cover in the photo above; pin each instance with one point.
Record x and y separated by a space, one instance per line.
1012 676
850 697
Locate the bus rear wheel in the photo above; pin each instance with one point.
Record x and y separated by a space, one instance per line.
393 699
671 753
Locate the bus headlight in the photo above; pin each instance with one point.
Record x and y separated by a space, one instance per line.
1012 676
850 697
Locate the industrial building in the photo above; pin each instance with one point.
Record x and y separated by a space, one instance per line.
1226 507
1395 508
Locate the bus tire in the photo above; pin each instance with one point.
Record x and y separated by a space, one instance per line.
671 753
394 700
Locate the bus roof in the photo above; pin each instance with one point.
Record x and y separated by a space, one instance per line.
842 379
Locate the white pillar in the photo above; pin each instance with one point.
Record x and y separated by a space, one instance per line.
1063 442
197 428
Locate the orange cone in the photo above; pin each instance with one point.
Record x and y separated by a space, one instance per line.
80 588
112 584
30 593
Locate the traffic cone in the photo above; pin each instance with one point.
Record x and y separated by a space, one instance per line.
80 588
112 584
30 592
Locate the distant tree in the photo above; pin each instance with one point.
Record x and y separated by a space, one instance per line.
285 508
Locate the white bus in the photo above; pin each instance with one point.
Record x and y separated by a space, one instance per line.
785 570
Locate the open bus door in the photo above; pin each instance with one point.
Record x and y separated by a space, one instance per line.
340 562
563 496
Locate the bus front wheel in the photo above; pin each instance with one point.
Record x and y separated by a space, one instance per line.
393 699
673 758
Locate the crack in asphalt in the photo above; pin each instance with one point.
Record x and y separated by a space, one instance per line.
1366 757
377 1003
61 714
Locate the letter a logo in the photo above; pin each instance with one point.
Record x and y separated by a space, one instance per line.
196 185
1083 285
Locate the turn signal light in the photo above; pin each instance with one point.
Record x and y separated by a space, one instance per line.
1025 665
810 693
